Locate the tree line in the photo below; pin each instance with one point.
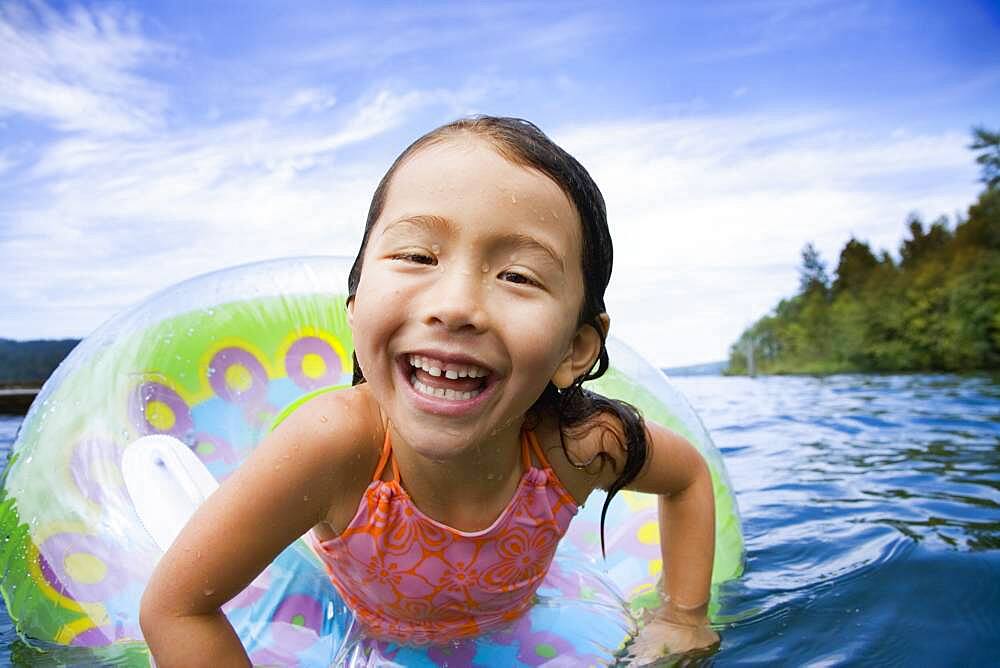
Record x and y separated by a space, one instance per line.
936 308
31 362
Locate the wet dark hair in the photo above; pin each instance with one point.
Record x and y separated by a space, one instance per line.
522 143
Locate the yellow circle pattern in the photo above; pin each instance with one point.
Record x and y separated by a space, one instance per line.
313 366
160 416
85 568
238 378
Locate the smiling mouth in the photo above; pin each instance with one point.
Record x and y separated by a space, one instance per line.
446 380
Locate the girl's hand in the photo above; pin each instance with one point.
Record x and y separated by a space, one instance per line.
667 635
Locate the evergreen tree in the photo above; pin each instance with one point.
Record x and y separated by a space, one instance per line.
989 159
855 266
937 310
922 245
812 273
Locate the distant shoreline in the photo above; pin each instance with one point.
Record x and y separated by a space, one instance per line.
16 399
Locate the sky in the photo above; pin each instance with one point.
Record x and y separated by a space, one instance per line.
145 143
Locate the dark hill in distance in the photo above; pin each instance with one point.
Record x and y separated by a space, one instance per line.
29 363
707 369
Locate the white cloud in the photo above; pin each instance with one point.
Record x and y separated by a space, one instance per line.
104 220
6 162
487 33
709 214
76 71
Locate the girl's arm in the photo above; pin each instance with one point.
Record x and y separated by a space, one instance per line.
293 480
678 474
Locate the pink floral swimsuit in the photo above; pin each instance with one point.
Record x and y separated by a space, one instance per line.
411 579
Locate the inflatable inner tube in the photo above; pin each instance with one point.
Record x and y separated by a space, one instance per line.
213 363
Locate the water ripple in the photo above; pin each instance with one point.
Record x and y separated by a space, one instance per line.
872 516
871 509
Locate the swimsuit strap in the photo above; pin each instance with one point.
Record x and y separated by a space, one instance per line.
527 439
386 452
525 454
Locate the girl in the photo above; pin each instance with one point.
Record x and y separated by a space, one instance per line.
437 488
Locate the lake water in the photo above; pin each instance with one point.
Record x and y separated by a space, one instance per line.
871 506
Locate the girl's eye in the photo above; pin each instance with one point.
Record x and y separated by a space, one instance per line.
515 277
418 258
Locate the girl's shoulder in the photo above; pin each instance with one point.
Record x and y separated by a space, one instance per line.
341 430
340 436
586 456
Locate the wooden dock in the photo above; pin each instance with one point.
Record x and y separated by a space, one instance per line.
16 400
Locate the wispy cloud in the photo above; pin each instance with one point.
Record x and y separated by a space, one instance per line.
117 217
78 71
130 162
5 162
713 211
773 26
549 32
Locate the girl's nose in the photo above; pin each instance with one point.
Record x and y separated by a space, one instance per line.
456 302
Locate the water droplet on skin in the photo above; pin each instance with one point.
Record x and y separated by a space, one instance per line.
513 198
486 267
208 592
322 418
435 248
305 497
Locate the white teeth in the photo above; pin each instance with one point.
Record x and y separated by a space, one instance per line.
441 393
433 367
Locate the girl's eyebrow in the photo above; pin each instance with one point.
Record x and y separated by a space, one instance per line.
517 240
422 222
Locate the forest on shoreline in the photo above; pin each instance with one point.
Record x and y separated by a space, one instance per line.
935 309
30 363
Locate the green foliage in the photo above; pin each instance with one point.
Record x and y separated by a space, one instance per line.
812 273
856 264
988 143
937 310
924 245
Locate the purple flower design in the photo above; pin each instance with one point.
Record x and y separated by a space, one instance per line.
297 370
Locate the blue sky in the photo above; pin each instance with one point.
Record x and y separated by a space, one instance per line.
144 143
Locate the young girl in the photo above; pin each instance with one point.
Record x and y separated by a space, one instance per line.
437 488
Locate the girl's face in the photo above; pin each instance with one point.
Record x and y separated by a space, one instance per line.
468 301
